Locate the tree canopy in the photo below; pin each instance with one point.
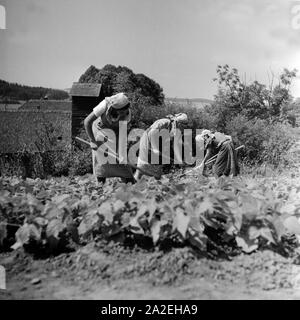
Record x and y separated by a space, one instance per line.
14 91
252 100
122 79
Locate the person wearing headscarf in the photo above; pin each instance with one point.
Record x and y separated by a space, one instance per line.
107 115
221 145
149 144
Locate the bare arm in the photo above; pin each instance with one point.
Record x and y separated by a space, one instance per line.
207 156
88 123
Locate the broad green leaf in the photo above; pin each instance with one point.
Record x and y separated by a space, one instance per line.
250 206
89 223
278 226
61 200
84 181
142 210
125 219
137 195
248 246
195 222
135 227
42 194
253 233
151 207
269 194
164 180
41 221
292 225
207 221
35 232
205 206
180 187
181 222
54 228
251 184
27 232
231 229
155 230
167 211
238 219
189 208
199 240
106 211
33 203
16 246
288 208
30 181
4 194
51 211
118 205
123 196
267 234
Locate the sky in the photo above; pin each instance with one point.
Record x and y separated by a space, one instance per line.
178 43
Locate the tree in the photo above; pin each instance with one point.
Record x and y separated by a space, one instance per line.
254 100
116 79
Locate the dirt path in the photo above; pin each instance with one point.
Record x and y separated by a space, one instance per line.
119 274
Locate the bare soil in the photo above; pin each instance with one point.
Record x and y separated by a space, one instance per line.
108 271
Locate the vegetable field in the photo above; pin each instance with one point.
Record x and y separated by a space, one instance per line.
164 227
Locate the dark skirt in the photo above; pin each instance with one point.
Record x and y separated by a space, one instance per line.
227 162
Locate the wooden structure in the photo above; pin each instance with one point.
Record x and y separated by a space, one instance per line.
85 96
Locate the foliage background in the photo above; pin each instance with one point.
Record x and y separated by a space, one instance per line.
259 116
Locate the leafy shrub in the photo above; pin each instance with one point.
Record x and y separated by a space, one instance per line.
80 162
264 141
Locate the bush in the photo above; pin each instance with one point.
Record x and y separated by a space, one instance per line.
72 161
264 141
80 162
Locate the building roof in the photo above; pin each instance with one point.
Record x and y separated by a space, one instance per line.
47 105
85 89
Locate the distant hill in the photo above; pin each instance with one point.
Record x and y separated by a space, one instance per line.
186 102
16 92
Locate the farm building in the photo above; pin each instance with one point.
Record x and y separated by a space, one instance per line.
85 96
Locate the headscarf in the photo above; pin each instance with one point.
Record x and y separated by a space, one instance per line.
175 119
117 102
206 134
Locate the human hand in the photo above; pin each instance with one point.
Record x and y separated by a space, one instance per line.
201 168
94 145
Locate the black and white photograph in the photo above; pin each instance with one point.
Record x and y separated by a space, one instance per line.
149 150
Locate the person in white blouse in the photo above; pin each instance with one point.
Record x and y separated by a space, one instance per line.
150 144
107 115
